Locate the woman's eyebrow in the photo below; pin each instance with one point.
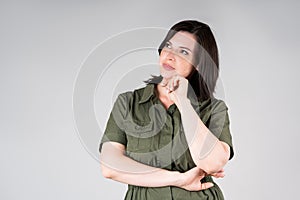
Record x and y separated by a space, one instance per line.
185 48
182 47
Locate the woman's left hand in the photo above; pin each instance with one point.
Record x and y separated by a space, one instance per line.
177 88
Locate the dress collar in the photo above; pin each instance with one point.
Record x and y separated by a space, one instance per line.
148 93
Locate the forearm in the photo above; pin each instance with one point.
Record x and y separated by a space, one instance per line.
207 151
115 165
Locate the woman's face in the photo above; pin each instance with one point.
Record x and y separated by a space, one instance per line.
176 57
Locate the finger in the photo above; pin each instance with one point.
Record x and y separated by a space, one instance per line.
201 176
201 171
175 82
168 90
218 175
170 85
206 185
220 171
164 82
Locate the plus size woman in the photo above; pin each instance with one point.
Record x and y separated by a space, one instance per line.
169 139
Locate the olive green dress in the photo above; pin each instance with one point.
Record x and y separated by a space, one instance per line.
154 136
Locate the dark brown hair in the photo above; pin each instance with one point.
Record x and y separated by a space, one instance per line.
203 79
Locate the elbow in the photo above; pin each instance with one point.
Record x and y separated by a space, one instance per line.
111 157
215 166
212 164
107 172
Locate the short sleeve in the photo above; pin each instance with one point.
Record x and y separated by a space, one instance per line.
114 131
219 124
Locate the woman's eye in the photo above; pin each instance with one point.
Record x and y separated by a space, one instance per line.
184 52
168 45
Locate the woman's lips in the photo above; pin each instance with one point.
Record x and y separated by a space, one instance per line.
168 67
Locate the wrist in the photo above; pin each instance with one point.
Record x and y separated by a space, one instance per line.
183 103
178 181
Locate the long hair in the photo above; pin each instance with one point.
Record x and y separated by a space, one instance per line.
203 79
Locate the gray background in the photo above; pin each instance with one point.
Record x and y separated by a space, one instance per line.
43 44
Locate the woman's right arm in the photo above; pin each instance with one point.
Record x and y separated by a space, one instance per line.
117 166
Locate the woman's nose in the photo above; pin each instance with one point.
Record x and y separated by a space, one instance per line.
170 55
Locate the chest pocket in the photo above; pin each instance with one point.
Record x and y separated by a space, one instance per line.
139 137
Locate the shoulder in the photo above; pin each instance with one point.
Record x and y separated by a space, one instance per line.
132 96
218 104
128 102
213 105
136 92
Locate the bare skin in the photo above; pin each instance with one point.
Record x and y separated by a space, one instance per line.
115 165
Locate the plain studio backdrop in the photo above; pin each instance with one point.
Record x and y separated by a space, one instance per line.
45 43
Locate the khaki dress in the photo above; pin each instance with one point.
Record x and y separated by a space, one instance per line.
154 136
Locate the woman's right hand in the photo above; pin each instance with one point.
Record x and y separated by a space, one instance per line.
219 174
191 180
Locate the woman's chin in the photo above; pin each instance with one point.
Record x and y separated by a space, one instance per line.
168 74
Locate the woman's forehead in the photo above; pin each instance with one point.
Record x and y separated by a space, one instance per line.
183 39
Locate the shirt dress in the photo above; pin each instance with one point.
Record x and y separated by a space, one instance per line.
154 136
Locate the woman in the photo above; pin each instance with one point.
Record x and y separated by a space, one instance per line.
167 139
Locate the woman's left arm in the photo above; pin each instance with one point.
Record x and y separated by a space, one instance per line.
208 152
